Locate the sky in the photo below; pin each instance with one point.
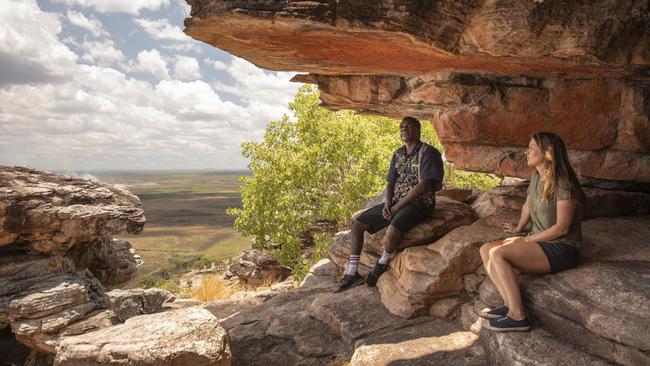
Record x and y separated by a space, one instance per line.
116 84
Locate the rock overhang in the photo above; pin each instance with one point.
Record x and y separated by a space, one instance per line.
486 74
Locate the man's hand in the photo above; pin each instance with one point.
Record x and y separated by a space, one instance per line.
386 211
395 209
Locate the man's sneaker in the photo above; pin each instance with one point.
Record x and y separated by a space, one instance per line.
507 324
348 282
495 313
373 276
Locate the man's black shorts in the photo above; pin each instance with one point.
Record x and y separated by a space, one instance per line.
407 217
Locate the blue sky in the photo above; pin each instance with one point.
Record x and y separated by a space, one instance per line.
116 84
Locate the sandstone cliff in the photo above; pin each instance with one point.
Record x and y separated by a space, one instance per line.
487 74
57 261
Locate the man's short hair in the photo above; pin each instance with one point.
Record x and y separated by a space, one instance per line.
414 121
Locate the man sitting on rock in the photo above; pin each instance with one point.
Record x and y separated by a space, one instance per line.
415 173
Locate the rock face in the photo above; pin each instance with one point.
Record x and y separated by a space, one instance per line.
486 74
51 213
420 275
259 268
188 336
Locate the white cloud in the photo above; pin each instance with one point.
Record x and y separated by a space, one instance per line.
98 117
187 68
218 65
101 53
29 48
125 6
255 84
161 29
92 24
152 62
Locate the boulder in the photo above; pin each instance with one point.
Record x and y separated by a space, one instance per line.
109 259
257 268
437 342
322 273
39 313
419 276
281 331
457 194
600 202
445 307
447 215
535 348
129 303
52 213
190 336
357 313
601 306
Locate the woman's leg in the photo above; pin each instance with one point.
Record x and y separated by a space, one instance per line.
528 257
489 268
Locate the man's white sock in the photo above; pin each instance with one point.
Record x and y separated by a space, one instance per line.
353 264
386 257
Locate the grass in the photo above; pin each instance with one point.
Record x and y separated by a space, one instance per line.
186 215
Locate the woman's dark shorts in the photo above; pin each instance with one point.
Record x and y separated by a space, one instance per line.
561 256
407 217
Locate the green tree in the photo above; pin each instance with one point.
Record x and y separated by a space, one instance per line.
321 166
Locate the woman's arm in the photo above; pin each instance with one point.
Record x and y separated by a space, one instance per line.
565 211
523 220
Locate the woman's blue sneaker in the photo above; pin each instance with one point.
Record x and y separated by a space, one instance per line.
507 324
495 313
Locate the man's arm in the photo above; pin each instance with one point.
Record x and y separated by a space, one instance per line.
414 193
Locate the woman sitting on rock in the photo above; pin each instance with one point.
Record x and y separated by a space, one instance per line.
554 204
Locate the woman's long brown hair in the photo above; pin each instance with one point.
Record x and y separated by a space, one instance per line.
559 171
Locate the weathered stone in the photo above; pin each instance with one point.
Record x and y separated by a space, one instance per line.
600 306
270 333
439 342
600 202
535 348
445 307
223 309
110 260
447 215
190 336
39 313
257 267
469 318
487 77
51 212
323 273
357 313
447 35
419 276
472 282
456 194
616 239
129 303
488 293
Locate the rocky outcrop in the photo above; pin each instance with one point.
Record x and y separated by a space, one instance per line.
188 336
51 213
486 74
129 303
259 268
600 202
57 258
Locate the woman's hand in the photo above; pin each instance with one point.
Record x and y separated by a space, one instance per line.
510 228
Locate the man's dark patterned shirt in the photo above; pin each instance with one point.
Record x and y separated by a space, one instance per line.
404 172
